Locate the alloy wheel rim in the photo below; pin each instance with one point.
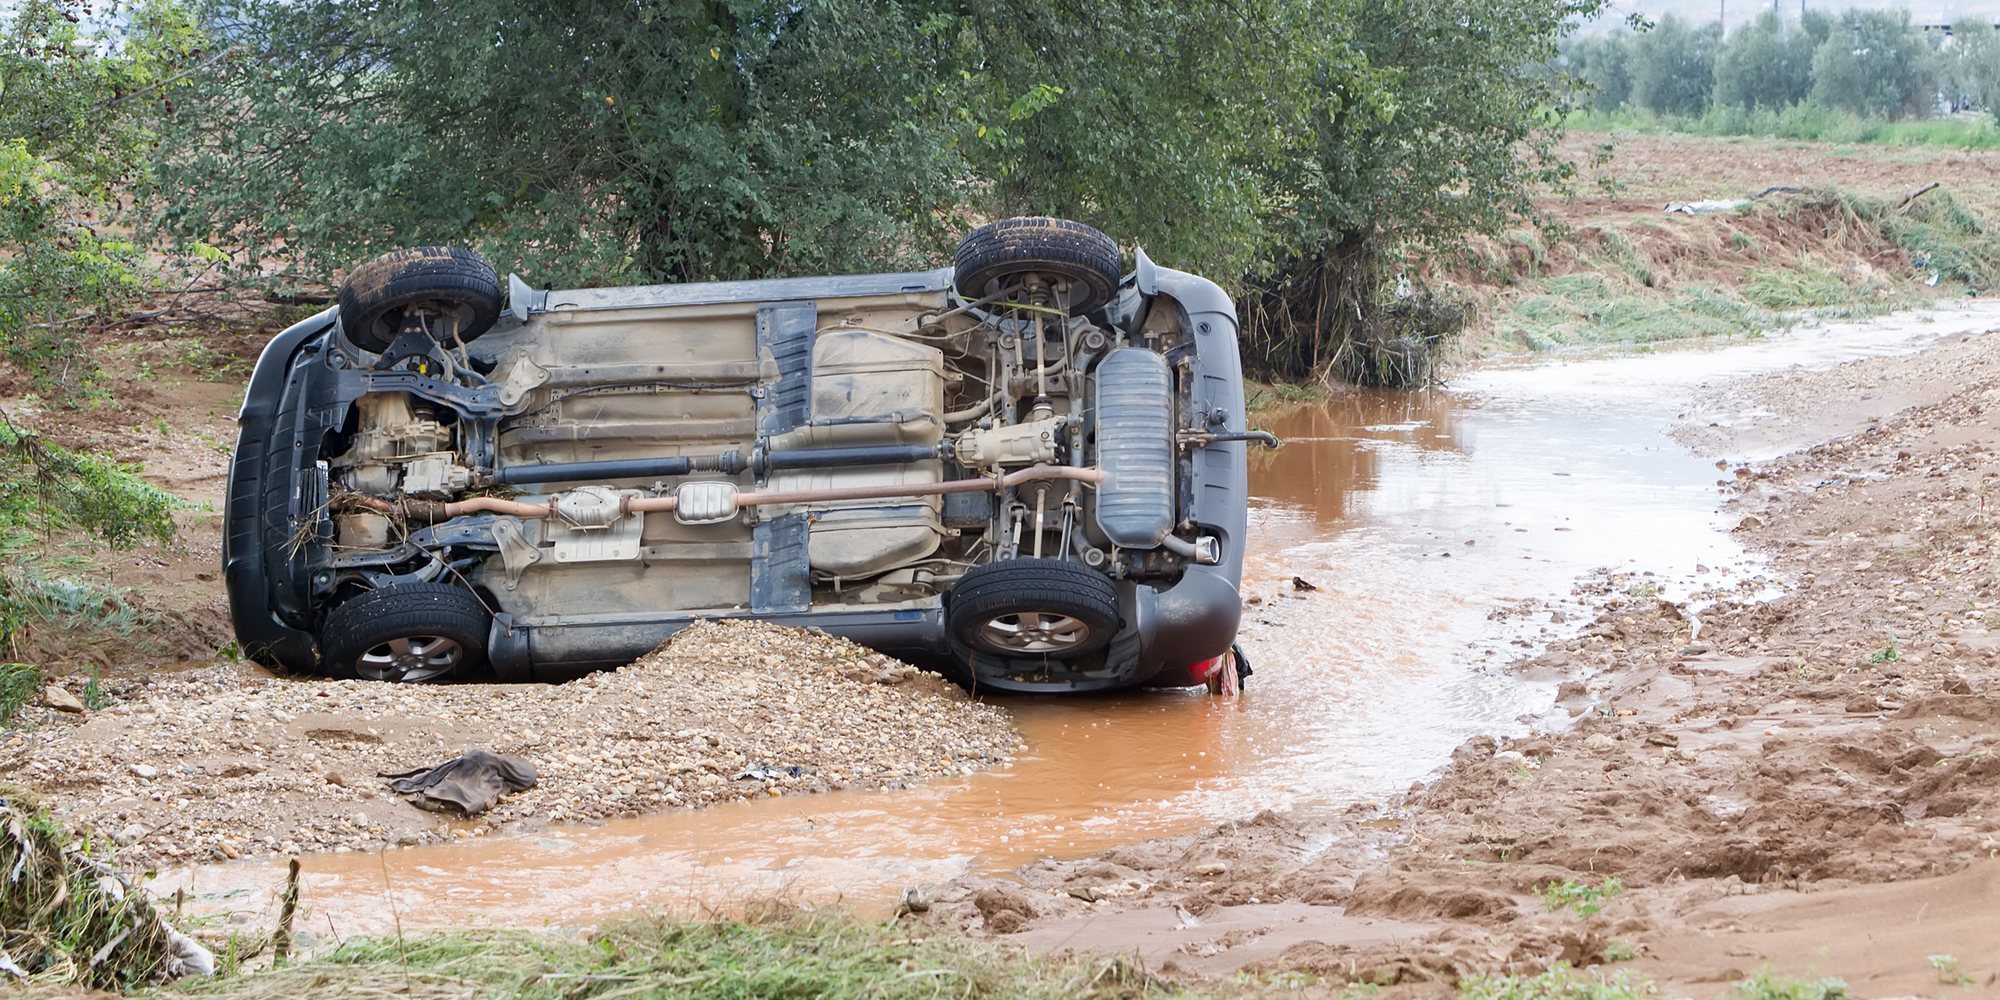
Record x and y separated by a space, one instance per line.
1034 632
411 659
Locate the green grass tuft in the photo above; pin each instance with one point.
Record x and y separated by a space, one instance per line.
1769 986
783 955
1559 983
18 683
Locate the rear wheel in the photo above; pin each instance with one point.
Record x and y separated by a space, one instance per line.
1079 265
455 291
1033 609
410 633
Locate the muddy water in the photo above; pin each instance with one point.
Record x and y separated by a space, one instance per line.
1423 518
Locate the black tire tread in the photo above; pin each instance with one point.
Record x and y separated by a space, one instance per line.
356 626
1008 247
412 274
1039 584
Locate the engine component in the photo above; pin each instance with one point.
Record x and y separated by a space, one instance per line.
362 530
1031 443
437 475
705 503
590 524
1135 448
391 431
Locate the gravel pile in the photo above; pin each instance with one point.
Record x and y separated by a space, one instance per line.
228 761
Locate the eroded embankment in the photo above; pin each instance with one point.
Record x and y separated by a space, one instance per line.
228 761
1809 783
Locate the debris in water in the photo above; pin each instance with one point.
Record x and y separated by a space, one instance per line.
1301 583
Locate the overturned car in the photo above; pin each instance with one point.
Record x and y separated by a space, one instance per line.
1025 470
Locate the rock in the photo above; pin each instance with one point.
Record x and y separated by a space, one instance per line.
1599 742
1213 868
56 697
130 835
1957 685
1087 893
1694 649
916 899
1507 758
146 771
1663 740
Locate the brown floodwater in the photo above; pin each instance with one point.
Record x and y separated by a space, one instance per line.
1420 516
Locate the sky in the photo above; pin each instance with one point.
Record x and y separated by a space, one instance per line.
1740 11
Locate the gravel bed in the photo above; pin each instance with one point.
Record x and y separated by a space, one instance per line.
228 761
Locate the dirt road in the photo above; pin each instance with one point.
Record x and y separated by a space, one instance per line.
1807 785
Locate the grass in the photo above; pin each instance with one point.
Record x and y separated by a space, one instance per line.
18 683
781 954
1804 122
1621 287
1559 983
1769 986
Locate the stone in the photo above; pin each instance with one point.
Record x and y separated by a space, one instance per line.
58 698
147 771
1599 741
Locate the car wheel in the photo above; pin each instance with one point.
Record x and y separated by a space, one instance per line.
456 285
1081 259
1033 609
410 634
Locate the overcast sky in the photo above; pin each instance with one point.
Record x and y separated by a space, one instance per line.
1739 11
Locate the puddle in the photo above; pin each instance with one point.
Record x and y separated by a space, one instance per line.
1418 515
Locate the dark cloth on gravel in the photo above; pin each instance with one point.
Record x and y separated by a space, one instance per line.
468 785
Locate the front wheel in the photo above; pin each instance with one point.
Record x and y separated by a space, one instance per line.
1033 609
411 633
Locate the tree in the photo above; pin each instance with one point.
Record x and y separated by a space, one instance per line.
1673 66
76 112
1764 65
1428 121
1602 63
589 142
1972 65
1873 64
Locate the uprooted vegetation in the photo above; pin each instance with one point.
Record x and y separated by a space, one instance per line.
68 919
1765 265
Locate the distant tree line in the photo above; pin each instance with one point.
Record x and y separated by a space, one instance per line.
1873 63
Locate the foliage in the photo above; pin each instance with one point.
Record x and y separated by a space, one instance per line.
1560 982
1766 64
1971 66
1394 161
45 488
1109 112
1807 122
1673 66
1872 63
76 113
1602 64
779 955
19 682
1767 985
1582 897
588 142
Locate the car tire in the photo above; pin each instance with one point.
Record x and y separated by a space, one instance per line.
1032 609
446 280
998 253
410 633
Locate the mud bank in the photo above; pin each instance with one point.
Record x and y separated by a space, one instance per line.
1809 785
228 761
